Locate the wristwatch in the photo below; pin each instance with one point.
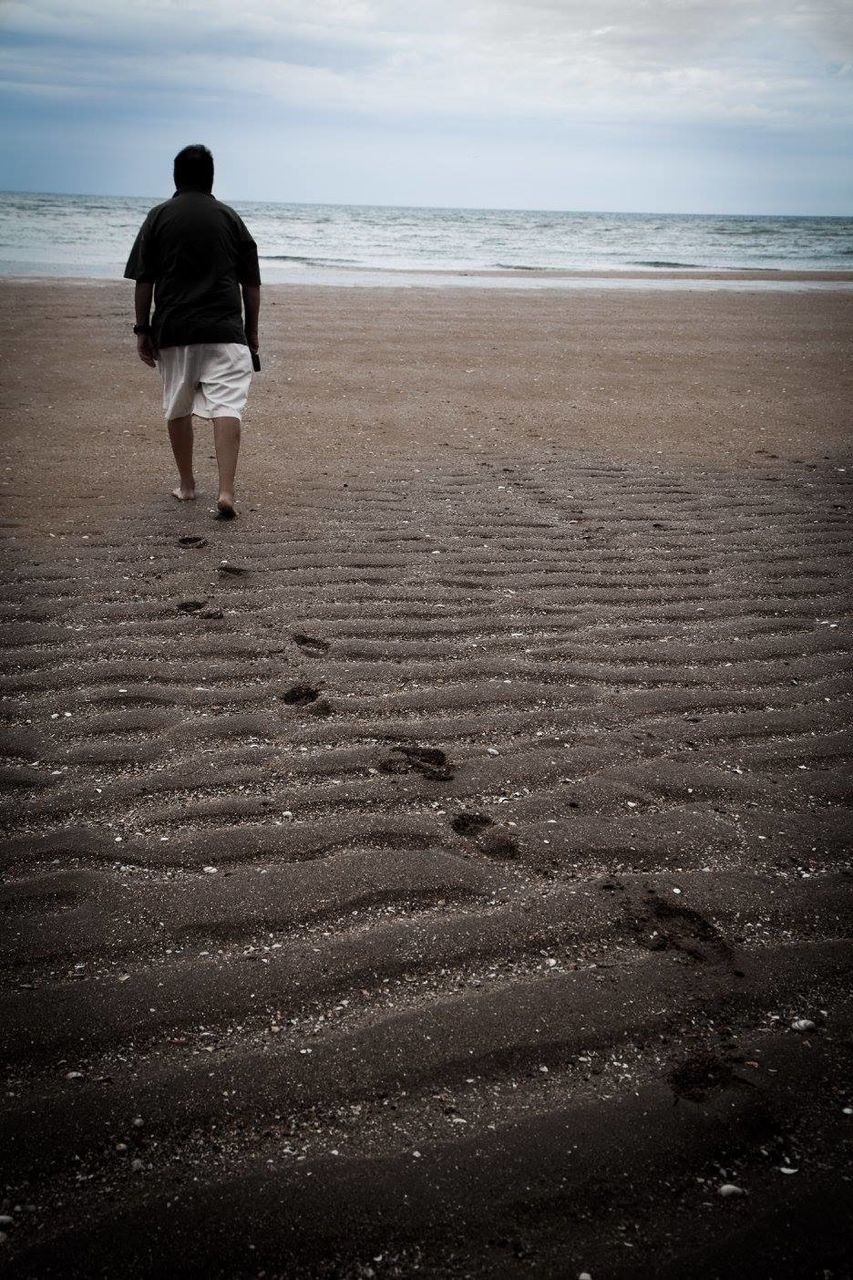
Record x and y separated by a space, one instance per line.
141 328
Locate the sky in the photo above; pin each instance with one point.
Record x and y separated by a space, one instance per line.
734 106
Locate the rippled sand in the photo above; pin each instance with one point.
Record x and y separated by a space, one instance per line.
444 906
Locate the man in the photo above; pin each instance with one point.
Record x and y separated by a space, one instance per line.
194 256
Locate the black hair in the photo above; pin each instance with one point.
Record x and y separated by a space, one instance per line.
194 169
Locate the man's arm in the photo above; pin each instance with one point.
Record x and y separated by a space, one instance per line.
143 296
252 309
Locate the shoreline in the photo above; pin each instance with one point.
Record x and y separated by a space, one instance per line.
522 279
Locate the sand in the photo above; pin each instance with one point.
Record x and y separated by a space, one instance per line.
427 873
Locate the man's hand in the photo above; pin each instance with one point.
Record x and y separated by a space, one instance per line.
147 351
251 311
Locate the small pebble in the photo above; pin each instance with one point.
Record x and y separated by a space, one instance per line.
584 1275
136 1165
803 1024
74 1075
138 1122
6 1220
729 1189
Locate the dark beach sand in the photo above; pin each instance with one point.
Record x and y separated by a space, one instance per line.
444 906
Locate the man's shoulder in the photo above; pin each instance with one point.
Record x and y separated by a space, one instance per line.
159 208
156 211
226 211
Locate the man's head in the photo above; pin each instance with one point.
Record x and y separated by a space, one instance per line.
194 169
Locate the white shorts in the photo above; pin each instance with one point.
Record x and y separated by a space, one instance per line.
209 379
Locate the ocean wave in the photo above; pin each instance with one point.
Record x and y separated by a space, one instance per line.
304 258
520 266
748 233
663 262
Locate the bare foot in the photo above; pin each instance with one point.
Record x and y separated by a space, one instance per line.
184 493
225 507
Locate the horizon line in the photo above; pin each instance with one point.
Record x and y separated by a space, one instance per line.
448 208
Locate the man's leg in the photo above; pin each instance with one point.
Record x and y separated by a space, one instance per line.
226 436
181 437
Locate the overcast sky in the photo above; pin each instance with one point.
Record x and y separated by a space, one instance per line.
663 105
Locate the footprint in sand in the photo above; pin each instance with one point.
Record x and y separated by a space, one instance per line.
497 844
663 926
322 708
697 1075
231 570
300 695
431 762
470 824
311 645
200 609
475 826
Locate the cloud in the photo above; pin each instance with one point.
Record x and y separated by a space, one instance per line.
779 62
567 103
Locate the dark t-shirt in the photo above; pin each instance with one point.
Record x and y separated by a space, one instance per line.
196 252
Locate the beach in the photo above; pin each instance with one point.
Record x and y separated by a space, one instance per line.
444 868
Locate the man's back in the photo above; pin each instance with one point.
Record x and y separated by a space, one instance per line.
197 252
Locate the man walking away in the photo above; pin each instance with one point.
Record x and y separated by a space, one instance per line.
194 256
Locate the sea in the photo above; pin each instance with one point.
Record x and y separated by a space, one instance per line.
90 236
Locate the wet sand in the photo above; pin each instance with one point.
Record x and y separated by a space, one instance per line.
443 869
